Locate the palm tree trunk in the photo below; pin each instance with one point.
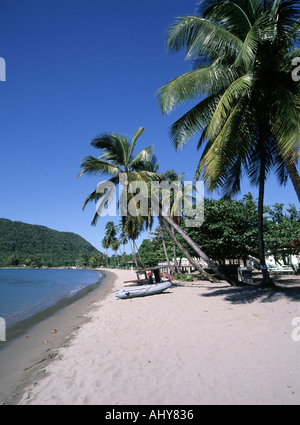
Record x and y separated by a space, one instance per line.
137 250
171 268
294 176
186 254
267 281
122 256
133 254
213 266
174 254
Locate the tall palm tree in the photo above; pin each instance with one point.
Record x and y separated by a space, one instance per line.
170 217
115 246
250 115
111 232
123 240
117 157
105 245
132 227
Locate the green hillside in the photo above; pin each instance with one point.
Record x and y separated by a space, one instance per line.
34 245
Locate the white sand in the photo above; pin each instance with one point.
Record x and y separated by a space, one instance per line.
199 343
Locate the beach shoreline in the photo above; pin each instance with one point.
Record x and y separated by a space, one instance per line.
197 343
40 343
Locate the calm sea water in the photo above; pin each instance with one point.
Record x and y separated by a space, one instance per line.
31 293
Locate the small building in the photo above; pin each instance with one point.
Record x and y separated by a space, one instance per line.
131 264
184 264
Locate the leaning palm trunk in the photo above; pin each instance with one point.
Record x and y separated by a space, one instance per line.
122 256
133 254
186 254
139 255
171 268
213 266
294 176
174 255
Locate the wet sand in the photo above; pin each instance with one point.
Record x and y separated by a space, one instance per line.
23 360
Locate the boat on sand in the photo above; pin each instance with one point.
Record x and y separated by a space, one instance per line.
149 282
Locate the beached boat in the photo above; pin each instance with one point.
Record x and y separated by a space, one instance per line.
148 282
143 278
148 276
143 290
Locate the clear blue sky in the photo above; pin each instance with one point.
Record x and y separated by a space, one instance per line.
77 68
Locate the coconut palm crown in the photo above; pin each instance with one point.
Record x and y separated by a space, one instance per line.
242 52
117 157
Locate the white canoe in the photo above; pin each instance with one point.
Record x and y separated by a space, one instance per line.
143 290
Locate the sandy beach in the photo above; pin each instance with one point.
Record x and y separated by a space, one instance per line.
198 343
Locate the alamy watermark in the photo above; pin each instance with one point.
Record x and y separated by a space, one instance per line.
2 69
2 330
137 198
296 331
296 71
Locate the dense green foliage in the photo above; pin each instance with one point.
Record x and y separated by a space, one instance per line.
229 229
152 251
36 246
229 232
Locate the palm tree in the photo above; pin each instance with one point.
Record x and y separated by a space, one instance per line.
123 240
115 246
178 199
105 245
111 232
170 217
117 158
170 266
197 266
132 227
249 118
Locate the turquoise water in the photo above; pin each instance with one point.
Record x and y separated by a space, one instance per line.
28 295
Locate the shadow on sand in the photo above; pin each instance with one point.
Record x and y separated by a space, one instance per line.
288 287
285 288
248 295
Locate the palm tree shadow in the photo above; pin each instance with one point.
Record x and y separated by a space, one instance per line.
250 294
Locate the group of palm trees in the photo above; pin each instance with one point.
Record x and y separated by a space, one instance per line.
247 114
117 235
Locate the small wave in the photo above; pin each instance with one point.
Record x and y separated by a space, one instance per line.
77 289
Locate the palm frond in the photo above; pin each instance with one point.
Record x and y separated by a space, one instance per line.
195 120
247 54
231 180
93 166
234 93
142 157
210 79
201 36
236 16
115 147
232 142
285 124
95 196
136 135
287 14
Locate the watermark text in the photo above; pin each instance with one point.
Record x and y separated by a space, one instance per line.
2 330
155 198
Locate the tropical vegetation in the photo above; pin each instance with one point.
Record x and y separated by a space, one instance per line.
229 233
247 117
36 246
117 160
248 104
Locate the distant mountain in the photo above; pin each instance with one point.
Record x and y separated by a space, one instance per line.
37 245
